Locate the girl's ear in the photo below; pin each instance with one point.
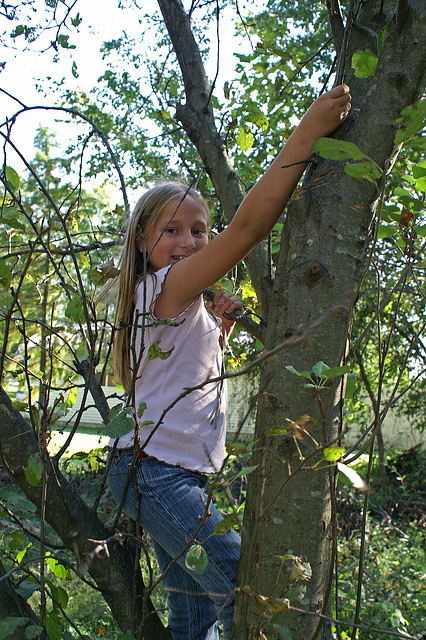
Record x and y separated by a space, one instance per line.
139 242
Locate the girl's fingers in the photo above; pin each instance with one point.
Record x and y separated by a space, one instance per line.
226 303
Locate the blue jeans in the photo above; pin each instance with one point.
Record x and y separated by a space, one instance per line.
170 507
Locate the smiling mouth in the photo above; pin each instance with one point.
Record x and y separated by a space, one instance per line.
177 258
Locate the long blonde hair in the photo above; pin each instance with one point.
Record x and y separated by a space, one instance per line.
134 266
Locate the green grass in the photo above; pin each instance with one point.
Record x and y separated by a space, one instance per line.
394 575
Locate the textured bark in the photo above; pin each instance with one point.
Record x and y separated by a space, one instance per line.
78 526
322 258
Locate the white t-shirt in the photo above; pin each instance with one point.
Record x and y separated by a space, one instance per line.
178 354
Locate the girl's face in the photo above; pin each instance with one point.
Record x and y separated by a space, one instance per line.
171 240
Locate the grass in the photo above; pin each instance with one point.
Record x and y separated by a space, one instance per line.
394 576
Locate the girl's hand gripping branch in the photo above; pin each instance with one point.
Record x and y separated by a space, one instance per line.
222 305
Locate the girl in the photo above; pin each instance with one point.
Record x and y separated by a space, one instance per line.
168 346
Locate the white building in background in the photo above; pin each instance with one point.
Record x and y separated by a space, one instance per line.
397 432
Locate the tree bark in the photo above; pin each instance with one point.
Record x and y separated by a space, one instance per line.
322 258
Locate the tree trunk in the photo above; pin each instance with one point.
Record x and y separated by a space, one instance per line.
321 263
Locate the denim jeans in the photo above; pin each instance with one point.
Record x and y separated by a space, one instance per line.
170 507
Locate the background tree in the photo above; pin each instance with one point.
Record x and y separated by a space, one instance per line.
289 517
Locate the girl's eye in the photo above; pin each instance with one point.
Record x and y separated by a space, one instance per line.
170 230
198 232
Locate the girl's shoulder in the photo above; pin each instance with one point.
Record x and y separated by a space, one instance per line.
148 288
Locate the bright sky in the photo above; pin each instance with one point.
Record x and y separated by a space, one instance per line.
23 70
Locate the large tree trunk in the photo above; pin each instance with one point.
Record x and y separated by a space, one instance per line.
321 263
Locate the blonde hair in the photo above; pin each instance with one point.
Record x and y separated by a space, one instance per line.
134 266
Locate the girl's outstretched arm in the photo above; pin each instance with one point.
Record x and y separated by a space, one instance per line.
258 212
271 193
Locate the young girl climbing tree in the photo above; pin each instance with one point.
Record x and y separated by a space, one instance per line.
168 355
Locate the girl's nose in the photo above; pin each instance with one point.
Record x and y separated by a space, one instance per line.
187 240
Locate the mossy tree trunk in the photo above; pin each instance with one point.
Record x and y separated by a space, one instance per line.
323 253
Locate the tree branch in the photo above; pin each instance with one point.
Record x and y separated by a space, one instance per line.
335 19
197 118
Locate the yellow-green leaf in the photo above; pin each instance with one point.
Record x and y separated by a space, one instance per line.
364 63
333 453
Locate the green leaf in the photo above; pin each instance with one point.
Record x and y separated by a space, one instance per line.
350 387
367 170
57 568
319 367
154 351
34 631
173 90
338 149
412 121
236 448
419 170
334 372
16 539
245 138
333 453
10 217
278 430
245 471
284 631
34 470
22 554
141 409
387 230
75 310
421 230
104 272
71 398
5 275
5 304
52 623
121 424
26 588
381 39
12 178
74 70
225 525
196 559
63 42
9 625
305 374
364 63
59 595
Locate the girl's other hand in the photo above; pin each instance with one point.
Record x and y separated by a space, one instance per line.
223 305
